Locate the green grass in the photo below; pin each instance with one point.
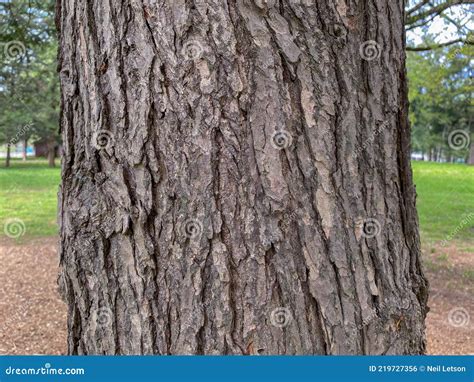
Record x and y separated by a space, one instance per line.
445 201
28 191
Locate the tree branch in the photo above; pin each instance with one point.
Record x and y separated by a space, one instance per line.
436 10
436 46
421 23
416 7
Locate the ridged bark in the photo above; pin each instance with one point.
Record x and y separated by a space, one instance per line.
236 178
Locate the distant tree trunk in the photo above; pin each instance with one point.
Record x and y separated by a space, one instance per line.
219 195
7 160
471 154
25 149
51 153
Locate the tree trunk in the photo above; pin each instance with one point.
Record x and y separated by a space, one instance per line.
471 154
51 153
7 159
219 195
25 149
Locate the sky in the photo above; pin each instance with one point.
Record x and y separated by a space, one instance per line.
443 30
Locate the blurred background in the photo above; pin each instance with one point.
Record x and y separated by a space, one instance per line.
440 68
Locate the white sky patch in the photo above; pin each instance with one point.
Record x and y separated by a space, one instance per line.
443 30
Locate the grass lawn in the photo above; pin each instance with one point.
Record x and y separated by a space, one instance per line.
445 201
28 191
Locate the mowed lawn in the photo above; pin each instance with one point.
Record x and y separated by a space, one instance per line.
28 191
445 202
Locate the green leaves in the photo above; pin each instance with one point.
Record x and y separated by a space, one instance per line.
29 90
440 88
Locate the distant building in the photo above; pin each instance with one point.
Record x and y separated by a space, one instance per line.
16 151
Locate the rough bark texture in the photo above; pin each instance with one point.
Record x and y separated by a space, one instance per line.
236 178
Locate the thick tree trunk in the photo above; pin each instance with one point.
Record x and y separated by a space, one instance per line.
236 179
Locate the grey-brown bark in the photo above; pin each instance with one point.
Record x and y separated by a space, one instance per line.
236 178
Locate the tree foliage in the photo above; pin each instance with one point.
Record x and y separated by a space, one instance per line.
420 14
441 107
28 84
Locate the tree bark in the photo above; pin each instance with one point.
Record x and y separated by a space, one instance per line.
236 179
8 157
471 154
25 149
51 153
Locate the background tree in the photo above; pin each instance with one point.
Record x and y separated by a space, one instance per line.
443 124
44 98
441 102
28 85
420 14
